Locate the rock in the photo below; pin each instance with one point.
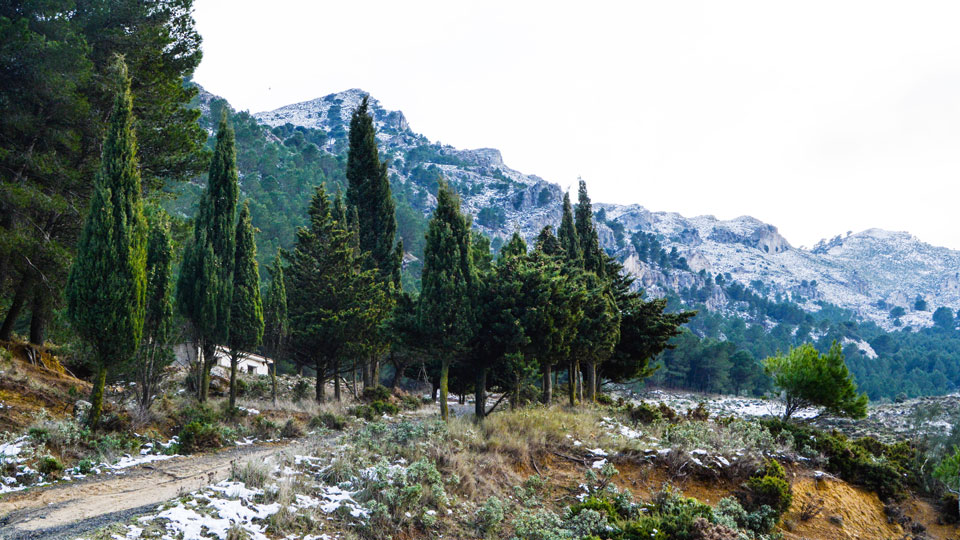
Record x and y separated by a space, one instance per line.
836 519
80 409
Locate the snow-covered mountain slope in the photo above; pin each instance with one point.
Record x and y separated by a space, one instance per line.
868 272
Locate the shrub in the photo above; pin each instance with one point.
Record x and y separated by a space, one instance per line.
264 429
291 430
699 413
84 466
363 411
49 465
604 399
198 435
253 474
384 407
538 524
328 420
490 515
377 393
300 390
769 487
645 414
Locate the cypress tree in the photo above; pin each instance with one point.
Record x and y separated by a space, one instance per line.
567 234
276 327
593 256
155 347
369 191
205 285
246 309
547 243
106 288
446 297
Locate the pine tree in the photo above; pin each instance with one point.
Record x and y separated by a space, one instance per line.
593 256
567 234
597 334
156 345
448 279
246 309
205 285
107 284
276 326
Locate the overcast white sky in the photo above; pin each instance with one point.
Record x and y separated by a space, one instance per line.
818 116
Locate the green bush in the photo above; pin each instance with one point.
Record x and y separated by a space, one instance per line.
84 466
264 429
490 515
384 407
328 420
198 435
769 491
377 393
645 413
291 430
49 465
300 390
365 412
604 399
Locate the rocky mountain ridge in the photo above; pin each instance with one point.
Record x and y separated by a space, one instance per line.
868 272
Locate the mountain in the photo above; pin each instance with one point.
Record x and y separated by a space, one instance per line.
867 273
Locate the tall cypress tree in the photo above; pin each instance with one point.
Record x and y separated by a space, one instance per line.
246 310
446 298
156 350
567 234
106 288
369 191
205 285
276 327
593 256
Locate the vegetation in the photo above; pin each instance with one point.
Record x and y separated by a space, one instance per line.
810 379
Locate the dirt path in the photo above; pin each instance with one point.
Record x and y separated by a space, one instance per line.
70 509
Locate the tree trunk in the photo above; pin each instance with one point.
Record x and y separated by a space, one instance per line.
481 394
209 360
590 385
234 362
19 298
39 315
321 391
547 396
433 391
375 371
572 382
96 396
579 382
367 369
273 381
336 380
515 398
444 388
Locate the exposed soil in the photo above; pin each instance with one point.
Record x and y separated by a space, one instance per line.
66 510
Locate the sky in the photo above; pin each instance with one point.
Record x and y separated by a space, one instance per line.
819 117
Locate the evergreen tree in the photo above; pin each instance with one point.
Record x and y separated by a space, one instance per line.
597 334
107 284
56 59
446 298
369 191
334 304
593 256
515 247
156 345
811 379
567 234
205 284
276 326
246 309
547 243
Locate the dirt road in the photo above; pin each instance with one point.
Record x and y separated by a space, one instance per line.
70 509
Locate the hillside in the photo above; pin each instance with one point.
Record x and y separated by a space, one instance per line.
868 273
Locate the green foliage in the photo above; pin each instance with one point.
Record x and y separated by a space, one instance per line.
49 465
369 192
198 435
328 420
769 487
446 311
948 470
809 379
246 311
106 290
490 515
884 469
594 259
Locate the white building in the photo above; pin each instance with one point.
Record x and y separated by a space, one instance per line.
187 354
